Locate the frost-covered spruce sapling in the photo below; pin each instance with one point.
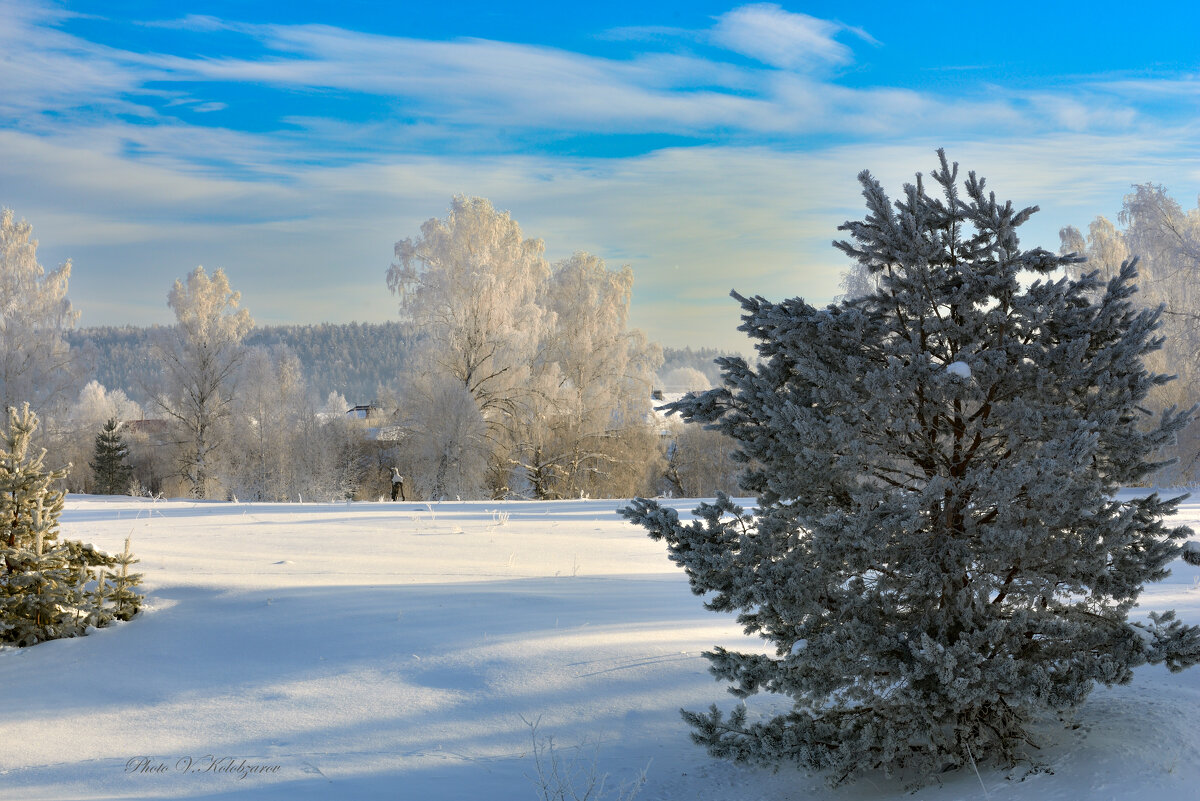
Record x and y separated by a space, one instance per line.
938 557
44 584
112 473
125 599
39 591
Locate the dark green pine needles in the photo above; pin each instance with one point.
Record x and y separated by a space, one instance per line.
50 588
111 473
938 557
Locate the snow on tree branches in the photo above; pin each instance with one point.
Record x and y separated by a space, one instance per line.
936 463
48 589
35 359
200 358
527 379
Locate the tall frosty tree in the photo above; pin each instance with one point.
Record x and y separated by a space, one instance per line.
470 283
200 358
34 317
1166 239
557 382
938 557
586 430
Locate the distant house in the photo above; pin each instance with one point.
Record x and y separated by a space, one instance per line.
378 422
365 412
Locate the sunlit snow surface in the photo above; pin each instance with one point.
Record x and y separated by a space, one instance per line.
394 651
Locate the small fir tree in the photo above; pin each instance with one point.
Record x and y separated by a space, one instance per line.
46 587
109 468
43 597
125 600
29 503
938 556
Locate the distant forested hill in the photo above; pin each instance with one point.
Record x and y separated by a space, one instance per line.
358 360
355 359
116 356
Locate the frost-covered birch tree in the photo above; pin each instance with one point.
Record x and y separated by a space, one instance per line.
699 462
559 382
1166 239
471 284
587 430
271 418
35 314
939 557
281 448
444 439
199 358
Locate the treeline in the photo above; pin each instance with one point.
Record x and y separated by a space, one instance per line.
359 361
505 376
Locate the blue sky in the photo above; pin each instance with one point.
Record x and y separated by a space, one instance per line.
710 146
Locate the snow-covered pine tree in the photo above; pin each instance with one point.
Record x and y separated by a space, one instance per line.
42 597
938 556
125 599
44 583
29 505
109 468
39 591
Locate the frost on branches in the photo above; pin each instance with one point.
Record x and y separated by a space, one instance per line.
35 360
200 357
937 558
50 589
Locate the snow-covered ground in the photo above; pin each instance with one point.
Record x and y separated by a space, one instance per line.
397 651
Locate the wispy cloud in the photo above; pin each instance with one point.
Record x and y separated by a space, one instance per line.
1174 87
47 70
784 39
133 163
202 23
483 91
315 246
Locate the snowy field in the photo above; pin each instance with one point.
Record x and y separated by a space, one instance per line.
396 651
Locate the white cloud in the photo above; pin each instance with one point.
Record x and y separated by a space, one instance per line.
304 217
203 23
44 68
474 94
1172 87
784 39
313 243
